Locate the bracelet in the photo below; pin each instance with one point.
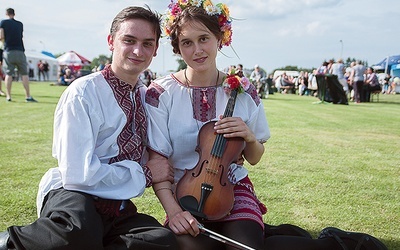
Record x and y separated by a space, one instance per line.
155 191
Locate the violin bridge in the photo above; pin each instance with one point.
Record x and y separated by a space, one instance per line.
212 171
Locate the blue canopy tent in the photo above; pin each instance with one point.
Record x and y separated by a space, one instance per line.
47 53
387 63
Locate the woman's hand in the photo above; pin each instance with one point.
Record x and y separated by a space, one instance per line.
183 223
234 127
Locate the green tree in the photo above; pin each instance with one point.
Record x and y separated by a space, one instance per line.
58 54
101 58
181 64
293 68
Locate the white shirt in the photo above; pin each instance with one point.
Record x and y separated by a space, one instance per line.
337 69
87 122
172 129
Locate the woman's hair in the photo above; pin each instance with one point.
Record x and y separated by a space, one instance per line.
137 13
193 14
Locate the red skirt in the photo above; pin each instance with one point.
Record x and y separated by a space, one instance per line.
246 205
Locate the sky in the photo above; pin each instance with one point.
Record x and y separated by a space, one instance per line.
269 33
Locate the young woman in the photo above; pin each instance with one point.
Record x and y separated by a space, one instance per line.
180 105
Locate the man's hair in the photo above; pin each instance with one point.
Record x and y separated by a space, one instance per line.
134 12
10 11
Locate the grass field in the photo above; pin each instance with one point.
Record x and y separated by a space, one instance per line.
325 165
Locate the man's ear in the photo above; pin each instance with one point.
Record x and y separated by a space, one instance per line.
110 41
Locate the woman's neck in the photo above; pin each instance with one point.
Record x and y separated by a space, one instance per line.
201 79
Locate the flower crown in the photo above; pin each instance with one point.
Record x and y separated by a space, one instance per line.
220 10
236 80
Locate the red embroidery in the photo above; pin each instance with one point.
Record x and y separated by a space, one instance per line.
153 94
252 91
132 139
246 205
204 103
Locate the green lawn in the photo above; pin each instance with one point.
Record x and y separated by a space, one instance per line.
325 165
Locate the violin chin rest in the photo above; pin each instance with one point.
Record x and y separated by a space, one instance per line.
190 204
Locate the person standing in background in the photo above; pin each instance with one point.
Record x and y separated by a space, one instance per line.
338 69
357 81
1 69
11 32
46 70
31 70
40 70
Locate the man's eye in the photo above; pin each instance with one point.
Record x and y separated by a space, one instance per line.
129 41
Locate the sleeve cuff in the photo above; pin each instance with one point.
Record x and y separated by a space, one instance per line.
149 176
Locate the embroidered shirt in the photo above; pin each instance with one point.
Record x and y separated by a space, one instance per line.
171 107
99 130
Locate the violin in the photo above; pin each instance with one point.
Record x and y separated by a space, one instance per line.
205 190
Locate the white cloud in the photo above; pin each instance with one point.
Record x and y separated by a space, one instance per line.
314 28
271 33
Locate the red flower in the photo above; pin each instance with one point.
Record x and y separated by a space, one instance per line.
222 19
176 9
233 82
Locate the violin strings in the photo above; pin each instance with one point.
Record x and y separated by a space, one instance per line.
220 142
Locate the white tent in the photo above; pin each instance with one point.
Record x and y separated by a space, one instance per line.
33 57
71 58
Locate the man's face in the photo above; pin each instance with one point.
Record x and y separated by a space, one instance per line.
134 45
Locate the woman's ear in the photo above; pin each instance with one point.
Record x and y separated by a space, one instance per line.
155 52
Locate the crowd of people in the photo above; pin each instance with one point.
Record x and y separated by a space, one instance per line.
113 137
358 82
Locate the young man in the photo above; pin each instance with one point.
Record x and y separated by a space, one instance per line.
11 31
100 132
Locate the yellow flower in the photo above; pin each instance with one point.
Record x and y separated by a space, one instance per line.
224 9
183 2
207 3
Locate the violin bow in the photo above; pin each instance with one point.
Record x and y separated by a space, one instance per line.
223 239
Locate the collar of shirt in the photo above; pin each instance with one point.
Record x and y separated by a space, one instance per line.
110 77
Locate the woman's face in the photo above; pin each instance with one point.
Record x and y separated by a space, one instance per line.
198 46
